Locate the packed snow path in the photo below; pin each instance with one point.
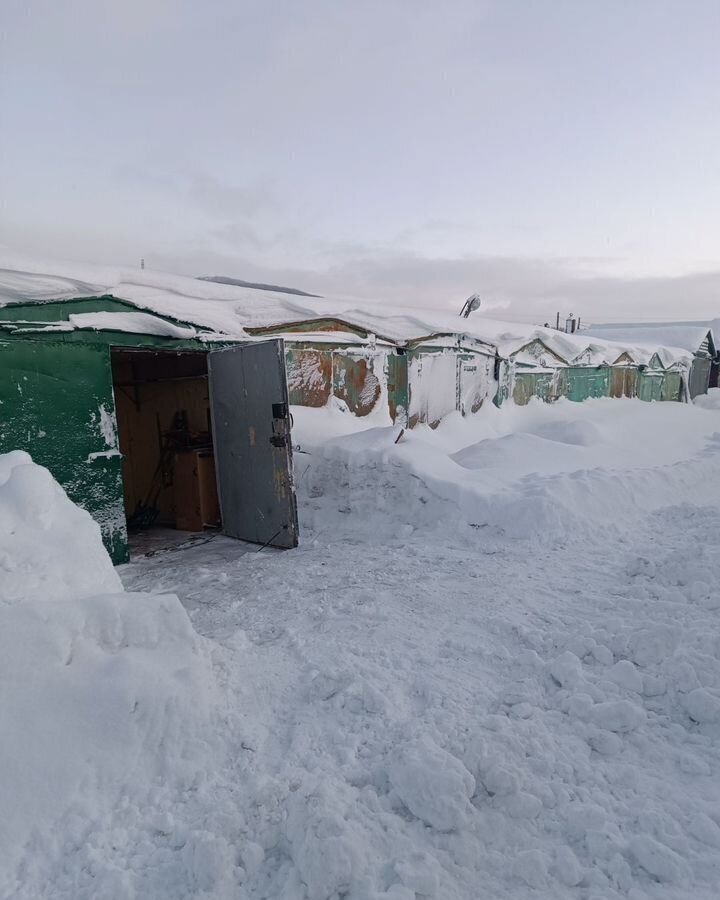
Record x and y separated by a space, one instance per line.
453 713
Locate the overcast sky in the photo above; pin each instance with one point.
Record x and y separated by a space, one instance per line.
556 154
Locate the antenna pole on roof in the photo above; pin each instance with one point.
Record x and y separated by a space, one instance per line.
557 321
142 263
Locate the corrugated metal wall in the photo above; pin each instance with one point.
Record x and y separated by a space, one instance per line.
699 376
57 403
445 380
362 377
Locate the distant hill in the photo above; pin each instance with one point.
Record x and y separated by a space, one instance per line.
238 282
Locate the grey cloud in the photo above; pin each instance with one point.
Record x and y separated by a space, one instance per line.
199 191
532 289
217 197
241 236
517 288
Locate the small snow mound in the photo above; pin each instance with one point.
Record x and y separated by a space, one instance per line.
49 548
580 434
434 785
705 830
531 867
649 646
499 780
625 675
702 706
657 859
567 868
566 670
711 400
487 454
326 846
618 715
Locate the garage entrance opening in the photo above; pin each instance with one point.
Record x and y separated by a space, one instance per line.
162 401
205 441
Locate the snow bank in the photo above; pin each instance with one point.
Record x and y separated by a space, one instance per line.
107 702
49 548
542 469
711 400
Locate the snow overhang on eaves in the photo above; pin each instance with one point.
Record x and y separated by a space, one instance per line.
593 356
624 359
323 337
449 340
523 353
319 325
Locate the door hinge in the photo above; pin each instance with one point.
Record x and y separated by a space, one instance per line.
279 440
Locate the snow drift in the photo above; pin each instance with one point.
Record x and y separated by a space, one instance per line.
106 701
539 471
48 547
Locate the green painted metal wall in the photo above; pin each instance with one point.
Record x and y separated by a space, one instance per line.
397 387
584 382
546 386
579 383
660 385
59 310
108 339
56 402
672 387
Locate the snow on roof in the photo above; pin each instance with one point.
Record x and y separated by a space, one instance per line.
226 309
234 311
688 335
17 286
132 322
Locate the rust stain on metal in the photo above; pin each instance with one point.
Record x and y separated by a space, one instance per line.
279 483
309 375
251 435
356 383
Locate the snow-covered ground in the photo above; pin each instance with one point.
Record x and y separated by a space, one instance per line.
491 670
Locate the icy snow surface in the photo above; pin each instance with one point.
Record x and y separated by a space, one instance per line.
491 670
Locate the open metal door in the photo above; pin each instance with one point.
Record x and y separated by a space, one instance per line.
251 436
